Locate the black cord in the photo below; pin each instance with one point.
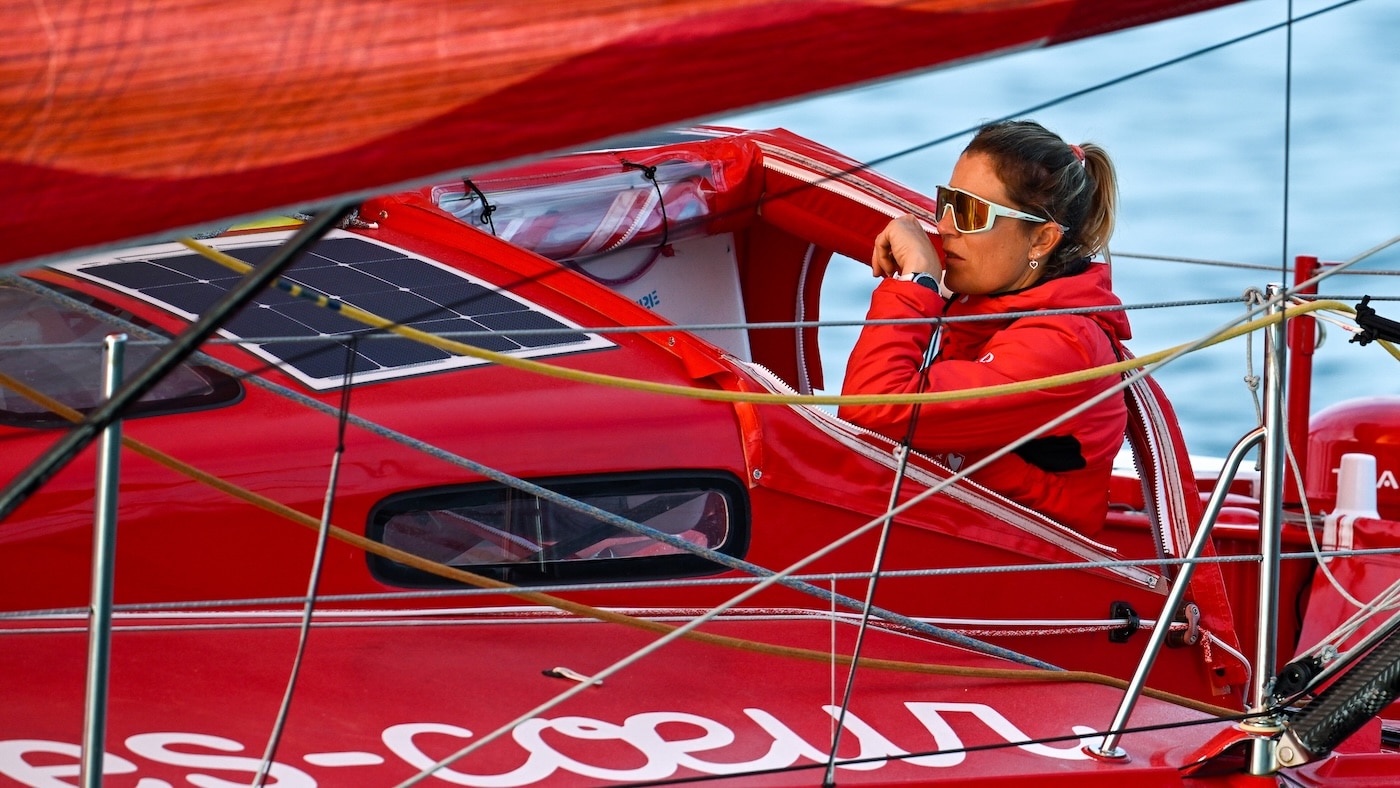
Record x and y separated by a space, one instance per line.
486 207
649 173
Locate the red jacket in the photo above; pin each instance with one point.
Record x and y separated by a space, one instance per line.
1056 477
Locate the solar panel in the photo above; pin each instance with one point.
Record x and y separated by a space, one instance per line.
310 342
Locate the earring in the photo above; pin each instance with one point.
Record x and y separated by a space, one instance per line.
1034 263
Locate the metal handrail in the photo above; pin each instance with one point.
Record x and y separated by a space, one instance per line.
1109 748
1262 760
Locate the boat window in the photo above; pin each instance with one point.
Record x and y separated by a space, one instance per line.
514 536
576 218
57 351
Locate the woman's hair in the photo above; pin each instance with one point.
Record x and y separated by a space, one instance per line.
1044 174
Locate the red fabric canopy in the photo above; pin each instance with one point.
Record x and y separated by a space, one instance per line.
132 118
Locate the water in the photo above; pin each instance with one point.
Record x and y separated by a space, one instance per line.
1200 151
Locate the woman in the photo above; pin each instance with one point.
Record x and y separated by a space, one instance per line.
1019 222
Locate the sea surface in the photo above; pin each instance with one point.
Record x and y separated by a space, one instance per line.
1204 149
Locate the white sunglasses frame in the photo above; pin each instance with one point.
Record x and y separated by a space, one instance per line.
996 210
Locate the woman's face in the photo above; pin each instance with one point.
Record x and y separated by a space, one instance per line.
997 259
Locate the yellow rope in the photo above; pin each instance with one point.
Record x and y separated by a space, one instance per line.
576 608
613 381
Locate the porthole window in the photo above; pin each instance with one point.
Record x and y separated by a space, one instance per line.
57 351
513 536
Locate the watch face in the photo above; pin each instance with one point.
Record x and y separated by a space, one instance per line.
927 280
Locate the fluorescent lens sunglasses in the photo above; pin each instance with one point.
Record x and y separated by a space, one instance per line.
972 214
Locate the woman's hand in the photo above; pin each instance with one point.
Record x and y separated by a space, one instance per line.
904 247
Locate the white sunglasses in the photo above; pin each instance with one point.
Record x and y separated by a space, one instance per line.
973 214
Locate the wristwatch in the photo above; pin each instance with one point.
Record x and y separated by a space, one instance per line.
921 278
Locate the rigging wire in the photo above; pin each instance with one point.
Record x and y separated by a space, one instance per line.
1287 139
1244 266
906 446
1128 77
154 339
1374 608
322 538
162 607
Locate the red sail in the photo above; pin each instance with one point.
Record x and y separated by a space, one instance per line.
131 118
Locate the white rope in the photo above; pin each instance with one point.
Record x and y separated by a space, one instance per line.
396 596
1252 296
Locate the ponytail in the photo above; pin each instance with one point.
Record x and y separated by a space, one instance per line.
1091 236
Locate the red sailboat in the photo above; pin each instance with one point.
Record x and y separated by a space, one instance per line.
517 477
